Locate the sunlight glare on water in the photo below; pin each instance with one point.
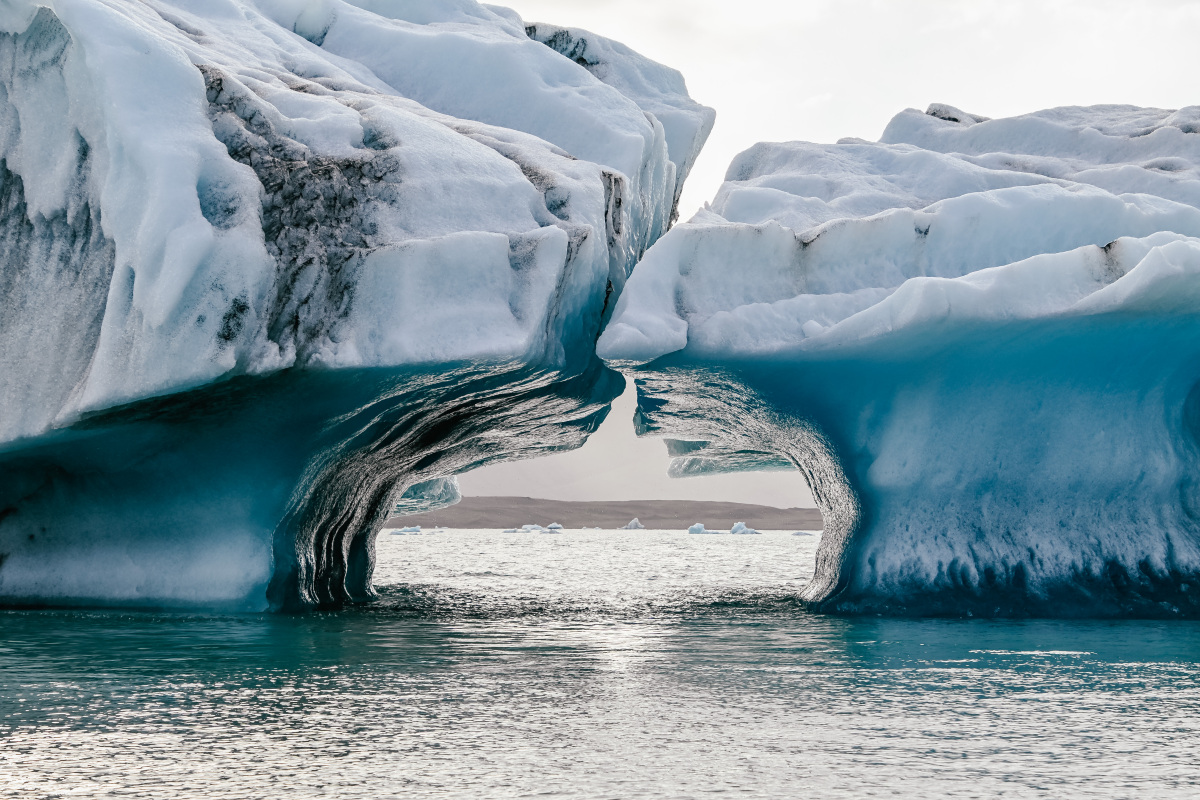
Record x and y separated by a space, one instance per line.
593 664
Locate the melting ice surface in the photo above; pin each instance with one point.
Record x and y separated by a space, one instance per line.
593 664
267 264
978 339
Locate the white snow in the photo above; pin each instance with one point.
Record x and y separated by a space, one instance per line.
810 247
269 183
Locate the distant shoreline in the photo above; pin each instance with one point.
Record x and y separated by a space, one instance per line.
513 512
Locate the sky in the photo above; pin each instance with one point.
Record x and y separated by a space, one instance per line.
821 70
616 465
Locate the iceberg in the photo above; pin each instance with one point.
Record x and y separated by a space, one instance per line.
633 525
979 341
267 264
699 528
742 529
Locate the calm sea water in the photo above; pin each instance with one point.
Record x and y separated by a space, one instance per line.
593 664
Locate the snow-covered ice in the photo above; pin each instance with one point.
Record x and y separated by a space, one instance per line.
259 254
978 339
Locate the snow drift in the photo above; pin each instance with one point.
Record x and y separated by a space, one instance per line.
978 339
266 263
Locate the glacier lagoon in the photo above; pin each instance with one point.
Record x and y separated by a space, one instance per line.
273 267
593 664
289 269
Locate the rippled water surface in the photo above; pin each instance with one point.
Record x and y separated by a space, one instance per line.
593 664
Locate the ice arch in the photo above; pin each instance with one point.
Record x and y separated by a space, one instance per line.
991 327
264 264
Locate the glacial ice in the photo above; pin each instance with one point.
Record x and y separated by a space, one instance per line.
978 339
634 525
268 263
429 495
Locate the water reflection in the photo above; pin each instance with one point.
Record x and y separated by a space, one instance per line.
677 699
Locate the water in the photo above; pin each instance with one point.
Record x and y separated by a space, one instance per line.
593 664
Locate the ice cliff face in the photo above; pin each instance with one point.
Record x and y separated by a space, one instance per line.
977 338
265 264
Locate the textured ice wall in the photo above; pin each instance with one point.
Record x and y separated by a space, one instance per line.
978 339
198 193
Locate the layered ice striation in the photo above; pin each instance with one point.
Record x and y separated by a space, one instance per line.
978 339
268 263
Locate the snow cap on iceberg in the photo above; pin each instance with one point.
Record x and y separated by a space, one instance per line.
198 190
950 217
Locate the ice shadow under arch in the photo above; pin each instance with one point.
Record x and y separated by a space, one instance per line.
264 492
1035 468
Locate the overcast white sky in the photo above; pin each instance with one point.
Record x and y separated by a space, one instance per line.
819 70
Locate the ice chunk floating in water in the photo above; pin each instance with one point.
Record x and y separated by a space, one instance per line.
978 339
267 264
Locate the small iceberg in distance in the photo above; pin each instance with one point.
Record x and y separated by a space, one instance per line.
554 526
633 525
807 533
403 531
698 528
511 530
742 529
